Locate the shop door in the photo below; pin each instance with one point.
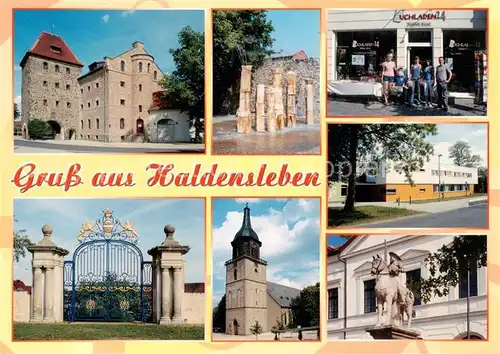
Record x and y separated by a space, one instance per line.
424 53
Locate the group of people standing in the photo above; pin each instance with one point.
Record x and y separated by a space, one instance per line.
416 85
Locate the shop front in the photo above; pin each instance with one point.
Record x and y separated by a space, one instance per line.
359 40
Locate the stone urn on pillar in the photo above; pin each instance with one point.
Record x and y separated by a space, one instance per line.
168 278
47 264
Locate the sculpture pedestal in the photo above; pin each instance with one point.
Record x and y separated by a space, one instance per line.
392 332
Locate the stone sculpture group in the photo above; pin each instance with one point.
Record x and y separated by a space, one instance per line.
391 293
277 115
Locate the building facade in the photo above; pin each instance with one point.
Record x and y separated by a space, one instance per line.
387 184
351 289
359 40
250 298
110 103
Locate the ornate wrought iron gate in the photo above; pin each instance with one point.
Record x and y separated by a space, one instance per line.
107 279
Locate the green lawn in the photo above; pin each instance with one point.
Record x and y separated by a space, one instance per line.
436 200
82 331
365 214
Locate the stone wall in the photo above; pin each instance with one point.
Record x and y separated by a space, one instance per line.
193 308
22 306
305 69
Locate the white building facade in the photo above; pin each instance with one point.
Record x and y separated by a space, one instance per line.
351 290
360 39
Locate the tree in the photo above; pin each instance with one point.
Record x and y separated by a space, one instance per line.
219 315
185 87
305 307
402 144
21 242
239 38
38 129
482 174
16 111
461 154
450 262
256 329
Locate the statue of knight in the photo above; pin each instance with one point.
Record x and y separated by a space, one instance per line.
391 292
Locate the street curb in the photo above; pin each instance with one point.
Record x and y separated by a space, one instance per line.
477 202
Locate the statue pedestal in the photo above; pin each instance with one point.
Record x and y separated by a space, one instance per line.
392 332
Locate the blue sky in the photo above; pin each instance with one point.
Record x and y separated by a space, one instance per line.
336 240
295 30
449 134
149 216
290 235
104 33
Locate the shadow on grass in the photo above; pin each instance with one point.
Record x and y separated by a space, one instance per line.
365 214
106 331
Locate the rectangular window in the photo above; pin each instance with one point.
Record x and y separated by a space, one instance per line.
97 102
68 104
333 303
45 83
88 88
44 102
81 106
122 102
122 83
96 85
140 108
88 104
68 87
391 191
370 300
56 85
422 190
57 103
343 191
422 170
81 90
435 188
463 283
413 278
418 36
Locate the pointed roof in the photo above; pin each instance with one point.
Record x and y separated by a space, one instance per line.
246 230
53 47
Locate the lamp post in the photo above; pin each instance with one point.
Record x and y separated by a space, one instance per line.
439 176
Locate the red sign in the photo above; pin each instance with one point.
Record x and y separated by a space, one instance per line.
401 15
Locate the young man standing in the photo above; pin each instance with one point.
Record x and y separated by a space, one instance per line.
443 76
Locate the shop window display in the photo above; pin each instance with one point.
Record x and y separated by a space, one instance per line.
360 54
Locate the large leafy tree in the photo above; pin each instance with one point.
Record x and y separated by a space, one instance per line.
219 315
239 38
462 155
305 307
185 87
16 111
450 263
404 145
482 174
21 242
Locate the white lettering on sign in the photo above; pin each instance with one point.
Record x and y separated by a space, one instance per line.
459 45
356 44
401 15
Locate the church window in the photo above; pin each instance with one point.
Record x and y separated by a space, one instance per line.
90 125
88 88
88 104
56 68
369 296
140 88
55 49
81 124
45 66
56 85
333 303
413 278
155 75
122 66
463 283
68 104
97 123
122 102
140 108
97 103
68 71
122 83
44 102
68 87
149 67
57 103
122 123
235 273
45 83
140 67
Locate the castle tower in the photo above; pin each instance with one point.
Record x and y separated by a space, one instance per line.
246 284
49 89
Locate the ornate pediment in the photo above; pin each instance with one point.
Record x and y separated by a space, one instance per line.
414 253
364 267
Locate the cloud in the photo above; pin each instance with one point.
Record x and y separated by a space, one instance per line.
249 200
290 243
479 132
127 13
105 18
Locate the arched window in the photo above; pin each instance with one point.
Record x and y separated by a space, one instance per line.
235 273
57 68
122 123
155 75
149 67
97 123
81 124
140 67
90 124
122 66
45 66
140 87
68 71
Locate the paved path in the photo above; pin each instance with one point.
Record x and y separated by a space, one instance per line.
342 107
307 336
475 216
83 146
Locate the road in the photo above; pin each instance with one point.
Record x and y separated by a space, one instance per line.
470 217
29 146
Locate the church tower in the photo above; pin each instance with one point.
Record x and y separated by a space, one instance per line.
246 284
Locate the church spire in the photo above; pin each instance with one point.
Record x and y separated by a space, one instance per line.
246 227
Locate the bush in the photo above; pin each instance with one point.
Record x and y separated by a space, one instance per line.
38 129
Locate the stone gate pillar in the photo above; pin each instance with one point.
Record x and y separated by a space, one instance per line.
278 98
243 119
271 112
291 114
170 257
309 102
48 266
260 125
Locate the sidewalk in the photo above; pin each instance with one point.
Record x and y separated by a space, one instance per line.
435 207
307 336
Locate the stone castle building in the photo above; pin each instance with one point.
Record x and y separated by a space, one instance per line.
109 103
249 296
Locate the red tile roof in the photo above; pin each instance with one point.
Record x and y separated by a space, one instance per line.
194 288
300 56
60 50
20 286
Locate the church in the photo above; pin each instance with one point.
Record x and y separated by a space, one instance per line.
249 296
